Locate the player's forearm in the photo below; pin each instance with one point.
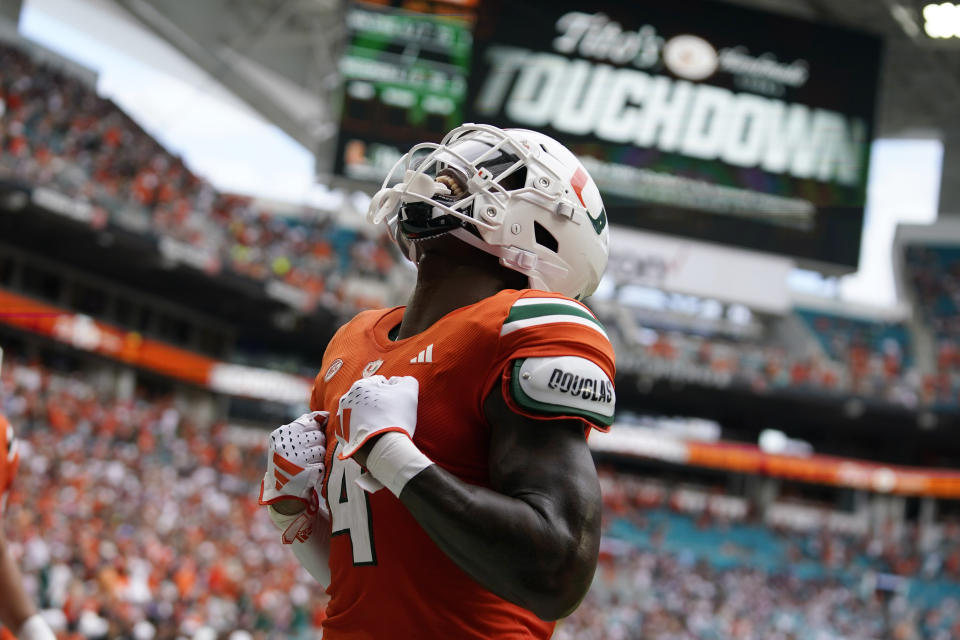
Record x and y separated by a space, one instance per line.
15 606
314 556
312 553
521 547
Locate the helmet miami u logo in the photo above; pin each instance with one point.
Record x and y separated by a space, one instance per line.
578 182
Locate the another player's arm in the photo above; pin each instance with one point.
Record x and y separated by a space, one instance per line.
15 606
16 611
533 539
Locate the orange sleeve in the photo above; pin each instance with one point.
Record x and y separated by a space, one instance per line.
539 325
10 459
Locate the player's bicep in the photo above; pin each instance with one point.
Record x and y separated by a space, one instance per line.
546 463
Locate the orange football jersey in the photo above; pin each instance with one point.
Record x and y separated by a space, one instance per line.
388 578
8 460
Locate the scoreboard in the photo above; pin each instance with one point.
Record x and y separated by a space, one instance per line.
405 81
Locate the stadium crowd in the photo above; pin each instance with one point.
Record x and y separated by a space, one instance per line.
933 275
879 371
671 572
665 596
56 132
132 522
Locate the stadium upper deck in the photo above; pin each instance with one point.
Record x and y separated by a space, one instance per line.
58 134
78 152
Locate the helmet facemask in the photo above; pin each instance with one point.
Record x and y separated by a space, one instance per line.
457 170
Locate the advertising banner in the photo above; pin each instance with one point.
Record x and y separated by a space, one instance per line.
700 119
87 334
708 271
749 459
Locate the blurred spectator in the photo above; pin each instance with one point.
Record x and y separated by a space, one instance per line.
933 275
873 370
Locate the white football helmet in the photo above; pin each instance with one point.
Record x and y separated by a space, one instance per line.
517 194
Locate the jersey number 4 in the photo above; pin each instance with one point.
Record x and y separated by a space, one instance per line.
350 509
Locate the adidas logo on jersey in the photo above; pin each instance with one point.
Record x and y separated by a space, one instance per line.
424 356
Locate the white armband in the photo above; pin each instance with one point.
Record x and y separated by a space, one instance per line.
563 385
394 460
35 628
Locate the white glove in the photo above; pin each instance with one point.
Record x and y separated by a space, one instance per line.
35 628
294 470
374 406
377 406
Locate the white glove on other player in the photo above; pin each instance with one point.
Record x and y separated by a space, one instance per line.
387 408
295 469
374 406
35 628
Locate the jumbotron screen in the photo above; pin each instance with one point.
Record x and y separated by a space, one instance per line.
405 81
698 119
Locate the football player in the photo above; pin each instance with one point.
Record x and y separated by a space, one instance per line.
457 497
16 611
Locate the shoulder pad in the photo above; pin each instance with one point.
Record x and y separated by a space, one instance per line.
563 385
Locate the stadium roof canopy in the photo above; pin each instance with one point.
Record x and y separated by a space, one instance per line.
280 56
